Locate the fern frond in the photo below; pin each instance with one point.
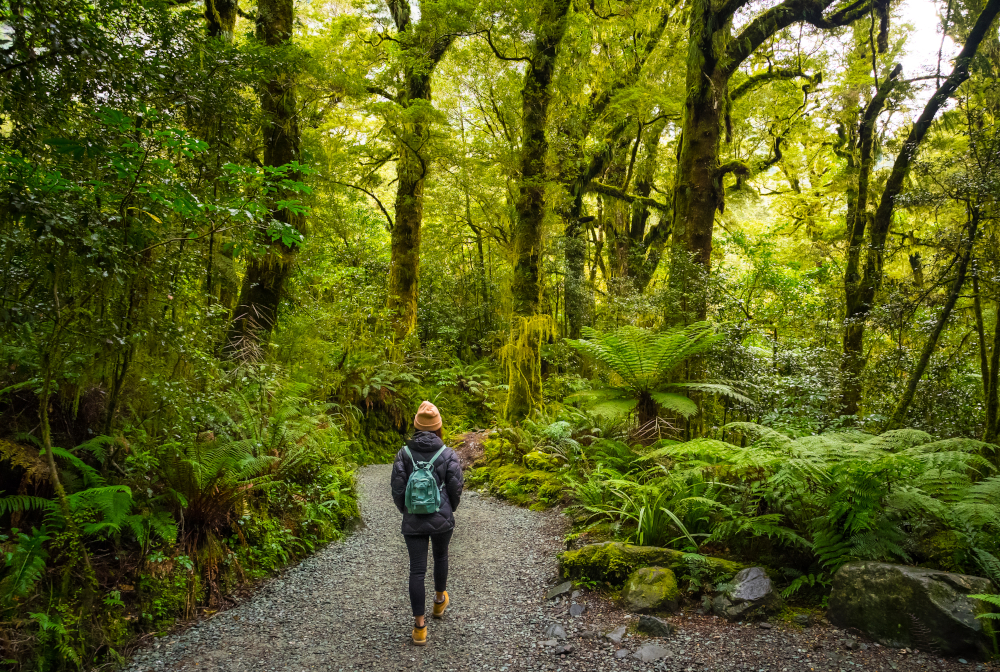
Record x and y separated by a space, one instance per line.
97 446
900 439
19 503
676 403
614 408
91 476
763 436
718 389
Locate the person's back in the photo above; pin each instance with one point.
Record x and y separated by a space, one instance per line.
427 450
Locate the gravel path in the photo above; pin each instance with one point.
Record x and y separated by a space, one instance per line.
346 608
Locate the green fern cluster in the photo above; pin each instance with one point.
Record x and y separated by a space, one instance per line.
643 367
833 498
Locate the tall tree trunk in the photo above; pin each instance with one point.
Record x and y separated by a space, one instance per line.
221 17
965 253
984 359
524 379
422 49
992 430
264 282
859 292
714 55
645 249
526 237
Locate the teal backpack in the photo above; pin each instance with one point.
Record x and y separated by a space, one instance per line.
422 492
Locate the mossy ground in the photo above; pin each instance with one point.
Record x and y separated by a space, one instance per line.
519 485
613 563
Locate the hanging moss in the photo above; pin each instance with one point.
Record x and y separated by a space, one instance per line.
521 359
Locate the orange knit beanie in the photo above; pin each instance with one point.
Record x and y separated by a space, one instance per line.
428 418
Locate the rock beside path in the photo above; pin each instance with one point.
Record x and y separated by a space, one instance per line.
654 627
651 589
614 562
650 652
911 607
751 596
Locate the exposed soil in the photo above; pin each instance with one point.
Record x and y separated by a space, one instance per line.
471 447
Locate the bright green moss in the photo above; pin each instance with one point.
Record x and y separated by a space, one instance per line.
614 561
519 485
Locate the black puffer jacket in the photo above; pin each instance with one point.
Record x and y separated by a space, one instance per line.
447 471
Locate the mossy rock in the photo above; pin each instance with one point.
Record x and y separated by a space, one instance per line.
614 561
532 488
540 461
902 606
651 589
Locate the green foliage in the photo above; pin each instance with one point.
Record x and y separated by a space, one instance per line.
641 364
992 600
136 197
809 504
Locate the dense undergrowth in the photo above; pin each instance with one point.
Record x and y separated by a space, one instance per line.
224 285
254 473
802 502
800 506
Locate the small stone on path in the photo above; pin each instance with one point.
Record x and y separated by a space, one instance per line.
650 652
656 627
561 589
617 634
577 610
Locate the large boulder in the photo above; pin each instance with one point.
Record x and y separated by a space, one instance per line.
751 595
651 589
614 562
902 606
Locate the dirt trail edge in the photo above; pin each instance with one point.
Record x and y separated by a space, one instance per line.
346 607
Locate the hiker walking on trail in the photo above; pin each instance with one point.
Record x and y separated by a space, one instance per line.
427 488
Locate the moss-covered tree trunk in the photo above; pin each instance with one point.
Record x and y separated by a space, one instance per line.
404 266
576 182
859 291
221 17
524 390
646 246
266 273
992 426
714 55
422 49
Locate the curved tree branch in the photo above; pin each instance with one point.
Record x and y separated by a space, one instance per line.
759 79
615 192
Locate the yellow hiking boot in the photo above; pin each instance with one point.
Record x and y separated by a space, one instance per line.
439 607
420 636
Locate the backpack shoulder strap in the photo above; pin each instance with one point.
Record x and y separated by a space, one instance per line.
409 454
436 455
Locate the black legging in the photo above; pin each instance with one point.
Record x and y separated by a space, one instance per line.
416 546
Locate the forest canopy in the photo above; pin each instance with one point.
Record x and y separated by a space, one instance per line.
240 242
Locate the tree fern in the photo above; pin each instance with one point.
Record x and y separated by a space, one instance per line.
640 363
